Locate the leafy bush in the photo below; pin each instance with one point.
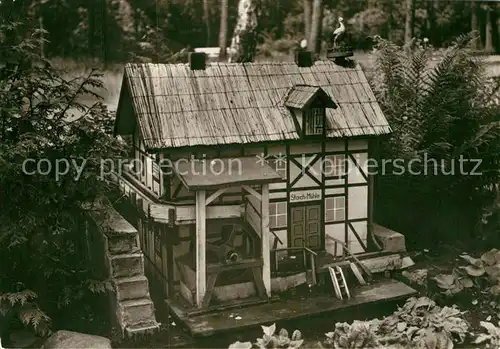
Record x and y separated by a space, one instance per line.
42 118
491 338
272 340
453 283
420 323
487 268
441 115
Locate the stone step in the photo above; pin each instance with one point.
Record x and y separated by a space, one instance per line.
132 288
137 311
124 243
148 327
127 265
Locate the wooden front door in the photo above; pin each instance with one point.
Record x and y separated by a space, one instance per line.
306 230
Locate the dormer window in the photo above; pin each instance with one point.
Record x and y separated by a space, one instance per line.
314 121
308 106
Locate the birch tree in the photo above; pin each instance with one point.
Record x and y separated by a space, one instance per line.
314 42
223 29
244 41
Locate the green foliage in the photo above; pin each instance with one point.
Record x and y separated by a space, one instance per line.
451 284
272 340
125 30
41 241
479 271
420 323
444 126
492 336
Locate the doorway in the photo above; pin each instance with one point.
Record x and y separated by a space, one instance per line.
306 226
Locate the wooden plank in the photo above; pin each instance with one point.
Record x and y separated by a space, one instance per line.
187 214
201 245
335 283
216 323
212 279
215 195
265 239
252 191
162 180
245 264
357 273
259 284
170 260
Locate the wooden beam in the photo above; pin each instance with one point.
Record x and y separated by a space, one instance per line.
201 244
170 259
215 195
212 279
162 183
253 191
186 214
265 239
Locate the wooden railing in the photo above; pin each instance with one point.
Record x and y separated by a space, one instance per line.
348 253
307 255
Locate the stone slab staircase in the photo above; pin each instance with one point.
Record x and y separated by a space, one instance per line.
135 312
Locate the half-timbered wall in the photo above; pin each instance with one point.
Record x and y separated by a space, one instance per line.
145 166
324 181
346 197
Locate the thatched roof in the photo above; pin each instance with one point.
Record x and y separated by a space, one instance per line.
300 96
239 103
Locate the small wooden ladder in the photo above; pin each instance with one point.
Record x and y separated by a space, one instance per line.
339 283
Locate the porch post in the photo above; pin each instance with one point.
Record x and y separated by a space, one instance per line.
266 252
201 243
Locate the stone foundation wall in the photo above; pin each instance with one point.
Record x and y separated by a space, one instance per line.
124 263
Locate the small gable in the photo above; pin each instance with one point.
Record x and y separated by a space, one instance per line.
301 96
125 116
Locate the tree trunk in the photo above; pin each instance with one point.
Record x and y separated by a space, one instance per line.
431 21
244 41
206 19
410 8
91 31
104 23
223 29
307 18
488 45
314 42
42 43
474 24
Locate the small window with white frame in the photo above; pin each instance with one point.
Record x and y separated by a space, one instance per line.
335 209
334 165
279 164
277 215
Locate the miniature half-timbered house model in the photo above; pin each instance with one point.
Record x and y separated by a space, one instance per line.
252 178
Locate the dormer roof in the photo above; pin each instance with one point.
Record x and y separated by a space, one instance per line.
301 96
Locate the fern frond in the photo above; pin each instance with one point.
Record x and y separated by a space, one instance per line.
31 315
18 298
99 286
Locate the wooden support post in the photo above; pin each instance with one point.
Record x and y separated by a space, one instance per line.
201 244
170 259
161 157
313 269
265 237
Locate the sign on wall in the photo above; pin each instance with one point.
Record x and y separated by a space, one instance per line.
305 195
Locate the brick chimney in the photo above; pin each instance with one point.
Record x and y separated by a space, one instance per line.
304 58
197 60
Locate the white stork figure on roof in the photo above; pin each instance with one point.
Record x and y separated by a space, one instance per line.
339 32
